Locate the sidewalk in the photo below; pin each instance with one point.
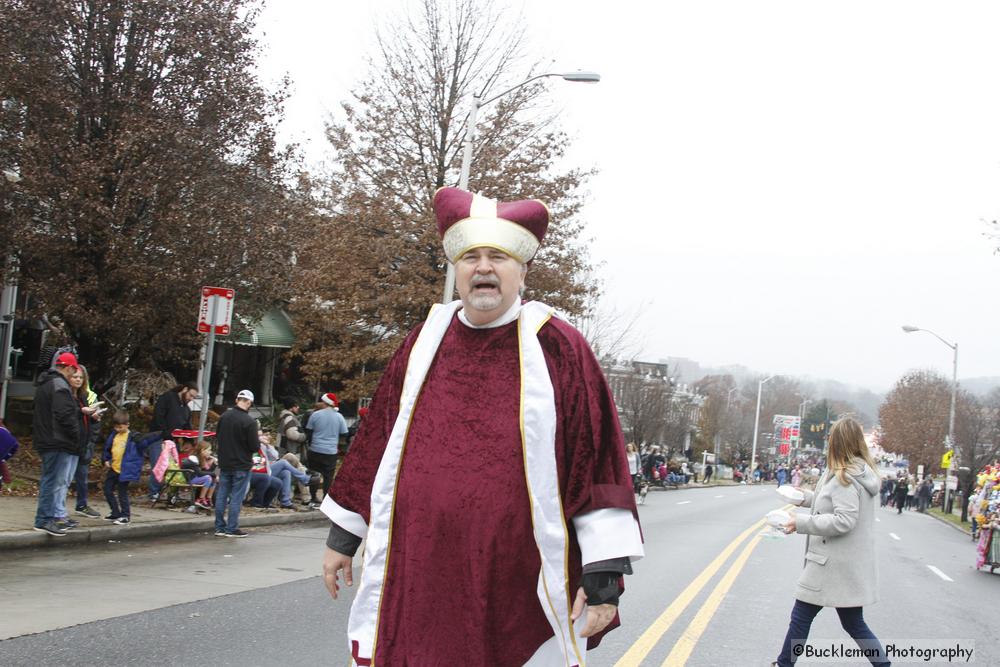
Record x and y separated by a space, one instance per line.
17 516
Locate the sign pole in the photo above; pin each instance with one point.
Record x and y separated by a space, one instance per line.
207 375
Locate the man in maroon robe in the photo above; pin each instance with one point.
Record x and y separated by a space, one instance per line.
489 477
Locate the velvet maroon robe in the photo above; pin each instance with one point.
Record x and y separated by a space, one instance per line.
462 570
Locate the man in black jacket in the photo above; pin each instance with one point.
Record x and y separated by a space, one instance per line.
56 437
236 434
170 413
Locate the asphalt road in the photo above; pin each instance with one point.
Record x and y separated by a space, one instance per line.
207 600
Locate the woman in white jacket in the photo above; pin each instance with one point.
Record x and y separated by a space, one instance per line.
840 569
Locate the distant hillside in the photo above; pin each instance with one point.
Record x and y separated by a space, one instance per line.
864 400
979 386
867 402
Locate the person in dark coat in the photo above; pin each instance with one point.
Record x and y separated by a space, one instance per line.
924 492
170 412
55 434
238 441
899 495
885 491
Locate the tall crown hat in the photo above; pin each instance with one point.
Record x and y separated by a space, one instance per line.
466 220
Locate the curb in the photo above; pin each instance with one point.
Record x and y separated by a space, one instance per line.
26 539
699 485
949 523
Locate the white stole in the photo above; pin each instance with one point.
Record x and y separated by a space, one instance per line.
538 429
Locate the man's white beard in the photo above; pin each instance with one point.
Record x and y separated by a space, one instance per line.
485 302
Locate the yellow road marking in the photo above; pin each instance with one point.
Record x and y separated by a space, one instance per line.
685 645
641 648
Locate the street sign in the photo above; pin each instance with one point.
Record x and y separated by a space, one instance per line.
214 318
790 421
216 310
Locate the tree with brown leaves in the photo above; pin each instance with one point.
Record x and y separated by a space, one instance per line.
375 264
644 403
144 147
914 418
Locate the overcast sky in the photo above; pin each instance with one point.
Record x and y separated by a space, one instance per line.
781 184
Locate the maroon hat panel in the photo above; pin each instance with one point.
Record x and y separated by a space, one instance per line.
450 206
466 220
529 213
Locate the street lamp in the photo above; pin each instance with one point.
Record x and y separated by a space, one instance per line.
729 397
951 414
8 304
470 137
756 425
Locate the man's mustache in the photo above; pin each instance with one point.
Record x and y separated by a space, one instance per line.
480 279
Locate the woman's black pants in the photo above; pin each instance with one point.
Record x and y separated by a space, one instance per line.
851 619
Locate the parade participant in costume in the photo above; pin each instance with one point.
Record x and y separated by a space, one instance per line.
489 476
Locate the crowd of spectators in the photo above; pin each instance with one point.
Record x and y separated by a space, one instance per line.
242 465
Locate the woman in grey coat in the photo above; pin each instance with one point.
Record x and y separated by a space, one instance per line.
839 568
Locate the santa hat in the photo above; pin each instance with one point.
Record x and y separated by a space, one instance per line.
466 221
331 399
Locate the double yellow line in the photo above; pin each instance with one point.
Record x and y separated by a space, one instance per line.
685 645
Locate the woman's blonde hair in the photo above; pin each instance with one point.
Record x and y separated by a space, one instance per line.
630 447
847 449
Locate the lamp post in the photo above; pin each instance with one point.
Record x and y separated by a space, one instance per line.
756 425
470 138
951 413
8 306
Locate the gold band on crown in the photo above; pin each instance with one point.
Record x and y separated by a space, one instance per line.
498 233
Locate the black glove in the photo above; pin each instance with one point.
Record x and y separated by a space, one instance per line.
601 588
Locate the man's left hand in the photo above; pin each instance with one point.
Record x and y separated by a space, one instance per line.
598 616
789 527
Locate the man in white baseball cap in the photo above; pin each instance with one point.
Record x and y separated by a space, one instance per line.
238 441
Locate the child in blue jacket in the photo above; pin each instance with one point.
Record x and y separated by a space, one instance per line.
123 460
8 447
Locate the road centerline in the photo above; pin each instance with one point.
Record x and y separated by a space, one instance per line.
894 536
681 651
939 573
647 641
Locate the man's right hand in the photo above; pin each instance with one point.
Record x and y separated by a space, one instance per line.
333 563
